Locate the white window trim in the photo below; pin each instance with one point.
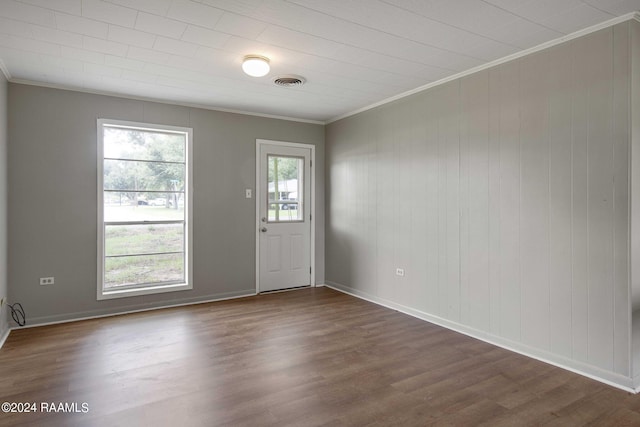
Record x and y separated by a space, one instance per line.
188 206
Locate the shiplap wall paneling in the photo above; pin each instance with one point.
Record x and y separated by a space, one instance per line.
448 97
560 206
534 200
441 204
386 200
508 136
345 226
403 200
595 209
474 199
335 219
504 195
347 192
368 229
600 200
431 240
421 184
372 141
621 138
495 202
579 188
635 198
410 252
356 200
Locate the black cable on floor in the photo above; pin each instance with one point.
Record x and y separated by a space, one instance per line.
17 313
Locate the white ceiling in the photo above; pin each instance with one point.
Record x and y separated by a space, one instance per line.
352 53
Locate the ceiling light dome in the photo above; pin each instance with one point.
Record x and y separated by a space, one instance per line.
255 65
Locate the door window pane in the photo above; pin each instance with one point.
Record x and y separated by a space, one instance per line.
285 186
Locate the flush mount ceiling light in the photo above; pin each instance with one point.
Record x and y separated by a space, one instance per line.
255 65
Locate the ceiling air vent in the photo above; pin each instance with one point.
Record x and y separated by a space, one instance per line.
289 81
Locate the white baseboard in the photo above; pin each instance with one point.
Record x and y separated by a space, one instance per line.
636 384
43 322
4 337
610 378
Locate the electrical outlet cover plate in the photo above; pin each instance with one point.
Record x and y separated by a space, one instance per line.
47 281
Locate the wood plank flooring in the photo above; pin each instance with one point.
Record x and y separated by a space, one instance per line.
311 357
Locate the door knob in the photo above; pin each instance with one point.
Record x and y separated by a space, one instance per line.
263 229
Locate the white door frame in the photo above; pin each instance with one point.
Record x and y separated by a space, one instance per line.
312 211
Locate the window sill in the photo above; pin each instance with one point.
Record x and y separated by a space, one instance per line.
150 290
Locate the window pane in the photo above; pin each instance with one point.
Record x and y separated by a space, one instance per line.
285 186
149 206
136 144
144 269
143 176
144 180
143 239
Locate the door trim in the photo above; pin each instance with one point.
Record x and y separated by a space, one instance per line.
312 201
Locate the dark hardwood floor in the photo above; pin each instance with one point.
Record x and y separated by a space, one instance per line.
311 357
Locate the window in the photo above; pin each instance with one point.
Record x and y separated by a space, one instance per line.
144 207
285 181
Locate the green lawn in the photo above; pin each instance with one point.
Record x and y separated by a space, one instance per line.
136 239
143 269
145 239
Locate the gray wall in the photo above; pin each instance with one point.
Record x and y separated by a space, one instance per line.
4 311
505 197
635 199
53 198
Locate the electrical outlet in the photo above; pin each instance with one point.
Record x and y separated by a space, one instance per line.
400 272
247 193
47 281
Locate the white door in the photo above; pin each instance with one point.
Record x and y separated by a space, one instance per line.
284 216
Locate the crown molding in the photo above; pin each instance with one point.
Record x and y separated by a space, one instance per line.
513 56
162 101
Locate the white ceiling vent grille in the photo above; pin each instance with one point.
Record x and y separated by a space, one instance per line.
289 81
